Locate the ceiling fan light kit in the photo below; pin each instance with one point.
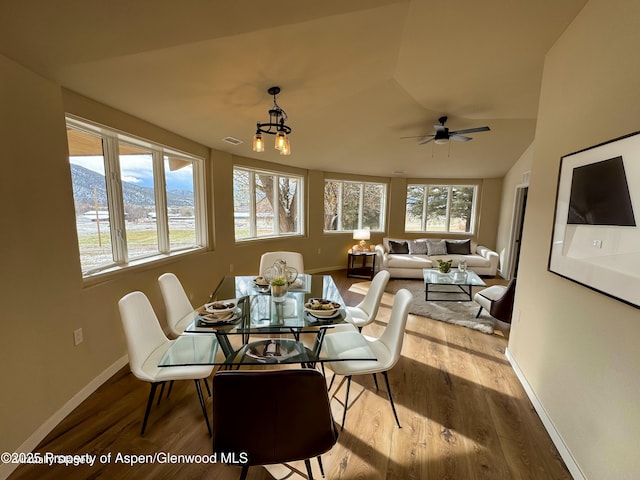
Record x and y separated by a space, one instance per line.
275 126
441 137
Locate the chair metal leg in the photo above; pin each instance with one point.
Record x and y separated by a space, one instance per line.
346 401
307 464
479 312
375 380
333 377
393 407
204 408
152 393
320 465
170 388
245 470
161 393
206 384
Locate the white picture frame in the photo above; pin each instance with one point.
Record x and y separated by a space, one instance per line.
589 246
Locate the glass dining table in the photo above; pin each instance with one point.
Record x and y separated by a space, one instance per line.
280 326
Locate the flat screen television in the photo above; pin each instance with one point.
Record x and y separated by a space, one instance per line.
600 195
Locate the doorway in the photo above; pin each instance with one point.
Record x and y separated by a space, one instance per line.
519 208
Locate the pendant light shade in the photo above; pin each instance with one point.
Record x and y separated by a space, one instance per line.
286 148
281 139
258 143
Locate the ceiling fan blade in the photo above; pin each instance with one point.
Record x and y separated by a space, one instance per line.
414 136
460 138
471 130
426 139
439 128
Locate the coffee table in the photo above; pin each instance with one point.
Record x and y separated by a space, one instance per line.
463 281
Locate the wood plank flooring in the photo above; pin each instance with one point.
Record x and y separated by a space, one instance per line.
464 415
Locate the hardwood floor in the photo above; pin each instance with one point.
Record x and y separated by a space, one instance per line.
464 415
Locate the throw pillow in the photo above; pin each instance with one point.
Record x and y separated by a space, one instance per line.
436 247
459 247
418 247
398 247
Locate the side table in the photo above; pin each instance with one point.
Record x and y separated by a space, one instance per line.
361 265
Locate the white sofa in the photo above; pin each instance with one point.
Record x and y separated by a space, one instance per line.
391 256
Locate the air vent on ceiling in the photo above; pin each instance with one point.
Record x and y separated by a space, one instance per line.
232 140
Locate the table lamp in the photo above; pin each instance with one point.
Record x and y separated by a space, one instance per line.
363 235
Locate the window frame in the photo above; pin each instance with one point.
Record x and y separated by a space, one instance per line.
111 141
361 184
424 216
253 212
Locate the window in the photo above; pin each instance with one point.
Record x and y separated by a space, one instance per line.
440 208
266 204
353 205
135 201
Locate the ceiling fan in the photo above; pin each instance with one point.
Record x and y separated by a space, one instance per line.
443 134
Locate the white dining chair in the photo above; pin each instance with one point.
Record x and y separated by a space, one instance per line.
176 302
365 312
293 259
146 344
386 349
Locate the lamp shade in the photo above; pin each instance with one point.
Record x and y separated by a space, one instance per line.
281 139
286 148
363 234
258 143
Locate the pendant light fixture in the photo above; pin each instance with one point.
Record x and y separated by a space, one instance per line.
275 126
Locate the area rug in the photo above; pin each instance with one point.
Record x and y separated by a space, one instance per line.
457 313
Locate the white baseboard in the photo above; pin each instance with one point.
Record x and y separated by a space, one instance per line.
564 452
36 437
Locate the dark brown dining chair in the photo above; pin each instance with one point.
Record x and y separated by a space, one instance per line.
274 416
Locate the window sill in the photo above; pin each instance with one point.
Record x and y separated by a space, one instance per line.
429 232
139 264
269 238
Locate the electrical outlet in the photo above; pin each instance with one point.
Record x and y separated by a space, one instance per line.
319 251
231 267
77 337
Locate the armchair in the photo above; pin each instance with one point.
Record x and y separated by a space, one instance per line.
497 300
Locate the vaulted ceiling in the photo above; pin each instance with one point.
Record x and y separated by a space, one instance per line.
355 75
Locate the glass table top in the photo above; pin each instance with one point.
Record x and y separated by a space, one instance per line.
227 342
454 277
193 350
258 312
189 350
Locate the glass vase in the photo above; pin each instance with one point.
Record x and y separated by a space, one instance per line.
279 292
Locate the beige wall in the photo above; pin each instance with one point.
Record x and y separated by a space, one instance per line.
578 349
489 212
43 296
517 176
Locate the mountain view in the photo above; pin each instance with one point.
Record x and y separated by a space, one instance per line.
89 187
